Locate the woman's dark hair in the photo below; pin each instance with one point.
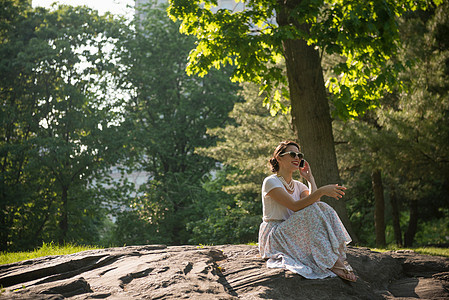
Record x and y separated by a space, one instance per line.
273 163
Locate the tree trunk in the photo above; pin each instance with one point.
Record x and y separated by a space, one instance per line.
4 231
63 223
396 217
379 211
409 235
310 113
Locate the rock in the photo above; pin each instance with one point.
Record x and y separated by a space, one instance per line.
217 272
422 265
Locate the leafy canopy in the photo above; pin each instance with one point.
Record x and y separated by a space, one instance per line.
363 33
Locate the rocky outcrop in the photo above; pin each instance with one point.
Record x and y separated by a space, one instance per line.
217 272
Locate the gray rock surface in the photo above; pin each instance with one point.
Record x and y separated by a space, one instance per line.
217 272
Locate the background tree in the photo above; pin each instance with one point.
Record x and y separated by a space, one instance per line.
14 130
57 122
406 140
167 117
364 33
419 125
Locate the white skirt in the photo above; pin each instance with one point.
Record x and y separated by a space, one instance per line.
308 243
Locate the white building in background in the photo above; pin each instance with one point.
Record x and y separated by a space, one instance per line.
117 175
136 177
222 4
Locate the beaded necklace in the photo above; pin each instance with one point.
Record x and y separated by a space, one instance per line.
289 186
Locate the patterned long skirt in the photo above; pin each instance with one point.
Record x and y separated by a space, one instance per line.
308 243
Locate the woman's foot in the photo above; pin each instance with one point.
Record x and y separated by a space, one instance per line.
344 271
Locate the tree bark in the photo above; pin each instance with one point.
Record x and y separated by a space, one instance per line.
4 231
396 217
409 234
310 111
379 212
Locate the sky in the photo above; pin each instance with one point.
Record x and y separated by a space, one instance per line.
114 6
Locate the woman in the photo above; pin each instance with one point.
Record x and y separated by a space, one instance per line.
299 232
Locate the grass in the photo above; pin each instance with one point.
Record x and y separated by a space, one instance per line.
45 250
435 251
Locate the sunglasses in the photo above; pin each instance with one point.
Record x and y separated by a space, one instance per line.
293 154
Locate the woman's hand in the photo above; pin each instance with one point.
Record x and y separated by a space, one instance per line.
306 171
333 190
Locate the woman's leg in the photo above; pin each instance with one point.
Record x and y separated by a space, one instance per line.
340 268
309 230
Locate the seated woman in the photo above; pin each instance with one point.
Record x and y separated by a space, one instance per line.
299 232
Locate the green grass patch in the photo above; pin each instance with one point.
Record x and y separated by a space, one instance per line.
435 251
45 250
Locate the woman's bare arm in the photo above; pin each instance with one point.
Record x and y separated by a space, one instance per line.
282 197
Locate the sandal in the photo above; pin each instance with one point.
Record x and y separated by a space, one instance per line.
347 269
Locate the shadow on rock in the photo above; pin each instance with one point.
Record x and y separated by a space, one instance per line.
217 272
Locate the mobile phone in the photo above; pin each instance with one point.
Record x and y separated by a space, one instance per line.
301 163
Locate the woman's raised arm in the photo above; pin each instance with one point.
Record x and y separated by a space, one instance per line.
282 197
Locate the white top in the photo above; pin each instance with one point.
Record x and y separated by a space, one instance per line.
272 210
